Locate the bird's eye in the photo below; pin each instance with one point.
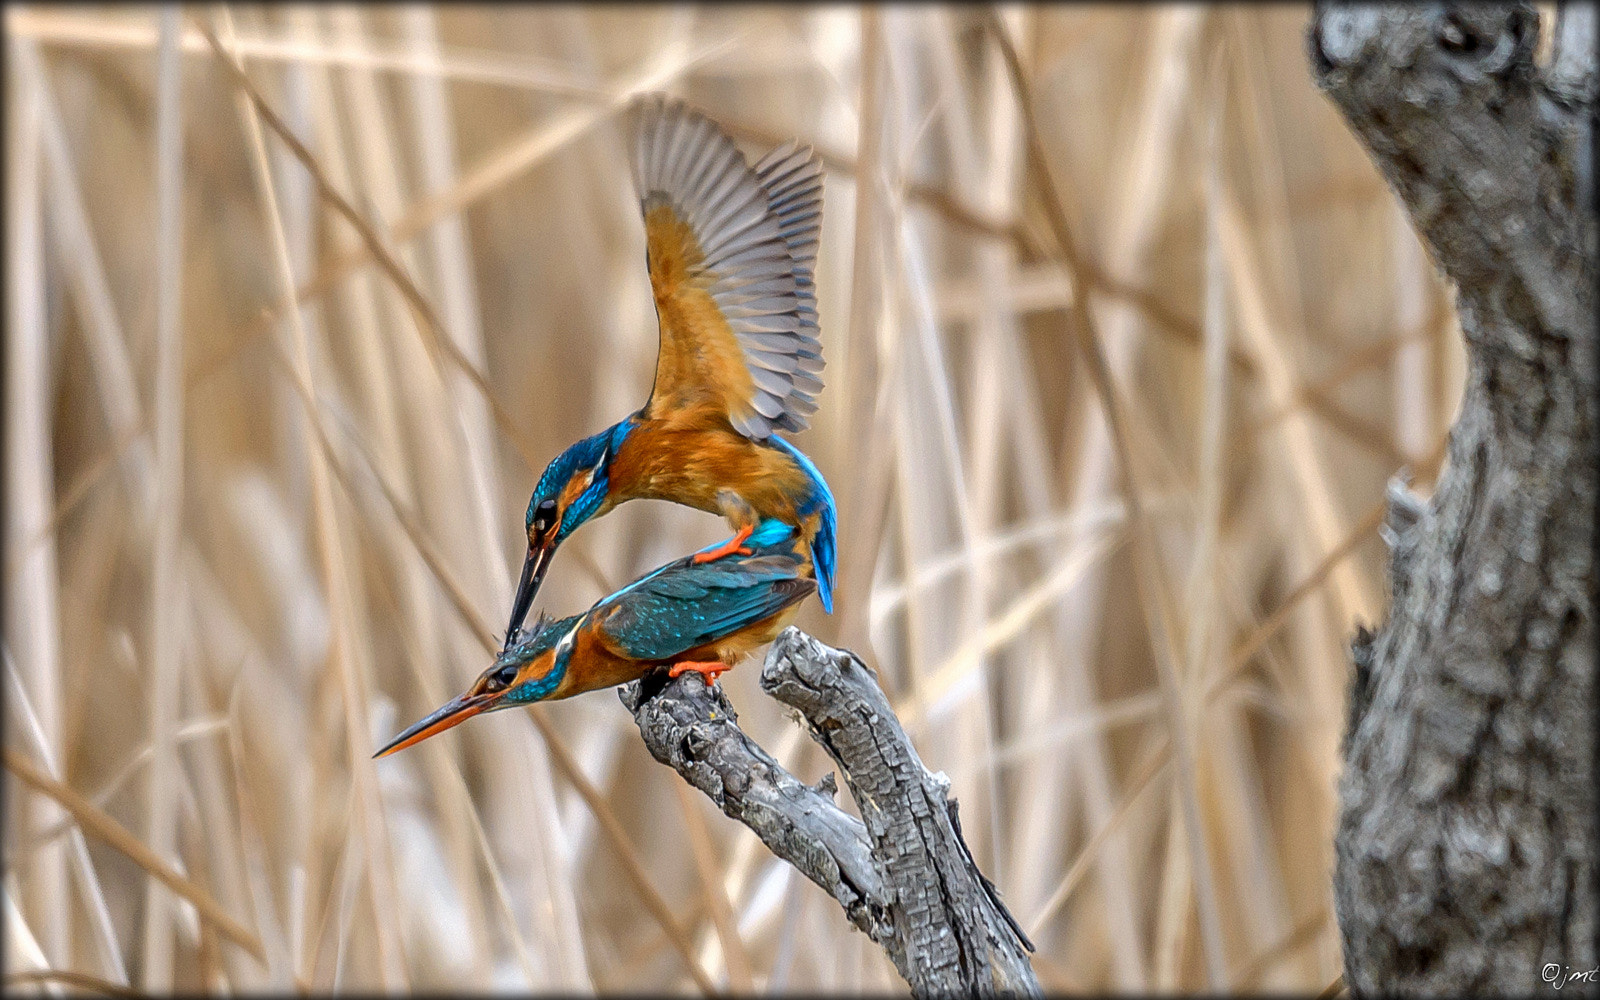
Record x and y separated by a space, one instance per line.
544 515
502 678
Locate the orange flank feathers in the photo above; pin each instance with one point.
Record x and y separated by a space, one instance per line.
690 456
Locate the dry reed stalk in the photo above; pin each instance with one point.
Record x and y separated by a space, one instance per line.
107 342
1354 364
1135 709
1007 624
855 360
1043 288
117 836
735 957
32 615
88 879
425 418
373 391
1080 866
1241 832
1414 417
428 323
25 945
431 116
625 851
1257 325
22 551
333 564
448 244
80 980
1044 812
166 582
1156 604
1350 595
100 32
1248 975
281 944
472 155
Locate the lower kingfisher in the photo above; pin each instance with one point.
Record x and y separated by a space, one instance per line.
730 249
703 613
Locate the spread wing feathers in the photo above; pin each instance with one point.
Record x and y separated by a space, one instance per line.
732 251
791 175
688 604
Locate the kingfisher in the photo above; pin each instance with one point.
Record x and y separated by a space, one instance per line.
703 613
730 249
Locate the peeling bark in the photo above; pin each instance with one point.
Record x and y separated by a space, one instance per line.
1465 849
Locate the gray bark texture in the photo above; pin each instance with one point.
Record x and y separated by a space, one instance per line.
1465 849
904 877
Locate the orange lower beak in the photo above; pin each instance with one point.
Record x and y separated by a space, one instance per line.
451 715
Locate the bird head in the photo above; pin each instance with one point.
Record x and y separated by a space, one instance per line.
530 671
574 487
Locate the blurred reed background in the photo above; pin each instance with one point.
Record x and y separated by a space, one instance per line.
245 544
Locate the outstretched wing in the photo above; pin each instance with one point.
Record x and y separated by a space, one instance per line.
689 604
731 253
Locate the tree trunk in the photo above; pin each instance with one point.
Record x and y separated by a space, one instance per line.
1465 849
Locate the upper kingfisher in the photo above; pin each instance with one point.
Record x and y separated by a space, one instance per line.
730 249
703 612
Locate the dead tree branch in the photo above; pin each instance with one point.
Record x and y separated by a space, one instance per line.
1465 852
904 876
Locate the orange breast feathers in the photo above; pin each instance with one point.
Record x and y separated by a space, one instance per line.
689 456
595 665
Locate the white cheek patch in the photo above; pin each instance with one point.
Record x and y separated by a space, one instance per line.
564 647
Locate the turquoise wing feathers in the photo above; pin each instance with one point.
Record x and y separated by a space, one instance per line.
687 604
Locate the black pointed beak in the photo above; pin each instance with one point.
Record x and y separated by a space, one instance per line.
452 714
533 569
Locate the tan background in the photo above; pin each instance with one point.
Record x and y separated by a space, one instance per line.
217 608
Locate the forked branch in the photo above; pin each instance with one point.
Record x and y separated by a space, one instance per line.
904 876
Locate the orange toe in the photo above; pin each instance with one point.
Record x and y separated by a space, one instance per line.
731 546
708 672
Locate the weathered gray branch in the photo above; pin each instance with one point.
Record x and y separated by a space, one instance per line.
904 877
1572 75
1465 850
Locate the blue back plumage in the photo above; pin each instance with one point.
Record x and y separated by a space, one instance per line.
686 604
822 544
769 534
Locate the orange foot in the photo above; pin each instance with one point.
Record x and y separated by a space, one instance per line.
708 672
731 546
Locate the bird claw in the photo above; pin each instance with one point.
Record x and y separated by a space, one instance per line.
733 546
709 672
